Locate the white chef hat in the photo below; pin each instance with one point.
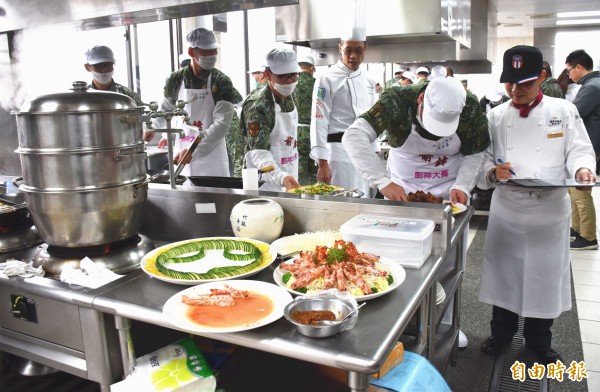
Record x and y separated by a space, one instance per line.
438 71
202 38
99 54
410 76
422 70
282 61
355 34
306 59
443 103
257 68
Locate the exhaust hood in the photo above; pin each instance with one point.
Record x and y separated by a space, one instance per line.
94 14
427 32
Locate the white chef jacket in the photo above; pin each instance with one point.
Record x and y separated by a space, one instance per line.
339 97
526 256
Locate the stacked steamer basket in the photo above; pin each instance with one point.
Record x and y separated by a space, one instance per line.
84 175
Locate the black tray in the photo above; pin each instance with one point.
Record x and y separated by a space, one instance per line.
219 182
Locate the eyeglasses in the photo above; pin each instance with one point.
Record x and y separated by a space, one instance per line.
348 51
569 69
292 77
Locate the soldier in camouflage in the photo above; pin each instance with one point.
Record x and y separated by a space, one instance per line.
100 61
269 123
550 86
211 99
445 159
307 167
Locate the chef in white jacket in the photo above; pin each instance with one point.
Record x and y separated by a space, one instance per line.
526 258
340 95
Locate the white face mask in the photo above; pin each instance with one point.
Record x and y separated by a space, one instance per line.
285 89
103 77
207 62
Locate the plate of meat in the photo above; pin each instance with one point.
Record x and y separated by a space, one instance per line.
363 275
424 197
226 306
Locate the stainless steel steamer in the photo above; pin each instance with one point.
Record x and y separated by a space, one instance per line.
83 161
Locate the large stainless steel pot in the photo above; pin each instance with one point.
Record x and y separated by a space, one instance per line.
83 165
86 218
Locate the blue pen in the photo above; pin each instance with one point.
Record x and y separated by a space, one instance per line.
510 171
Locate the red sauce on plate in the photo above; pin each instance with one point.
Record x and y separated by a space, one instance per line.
246 311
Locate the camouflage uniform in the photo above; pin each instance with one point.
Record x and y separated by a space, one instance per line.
307 168
119 88
258 119
397 108
392 82
221 87
551 88
235 147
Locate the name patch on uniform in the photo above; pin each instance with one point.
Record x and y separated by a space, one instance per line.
254 129
555 128
321 93
376 110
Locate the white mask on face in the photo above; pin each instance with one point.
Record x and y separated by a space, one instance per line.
285 89
207 62
103 77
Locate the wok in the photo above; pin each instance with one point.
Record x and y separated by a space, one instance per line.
14 214
219 182
162 177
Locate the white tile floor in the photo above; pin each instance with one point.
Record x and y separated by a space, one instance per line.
586 276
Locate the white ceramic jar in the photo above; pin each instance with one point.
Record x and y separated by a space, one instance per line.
260 219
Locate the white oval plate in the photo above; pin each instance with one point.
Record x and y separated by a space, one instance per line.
176 311
148 262
393 268
461 207
285 245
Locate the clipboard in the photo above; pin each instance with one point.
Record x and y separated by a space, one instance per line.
541 183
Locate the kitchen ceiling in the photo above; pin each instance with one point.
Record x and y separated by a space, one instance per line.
518 18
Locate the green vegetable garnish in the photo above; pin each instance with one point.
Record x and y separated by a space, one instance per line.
374 290
390 279
336 255
302 290
286 277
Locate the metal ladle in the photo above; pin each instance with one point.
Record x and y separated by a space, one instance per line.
327 323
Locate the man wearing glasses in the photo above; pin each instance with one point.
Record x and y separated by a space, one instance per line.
579 65
342 94
269 123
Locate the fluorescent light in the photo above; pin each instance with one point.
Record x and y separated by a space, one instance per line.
571 22
578 14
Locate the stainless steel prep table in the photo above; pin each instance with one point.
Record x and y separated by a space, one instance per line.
360 351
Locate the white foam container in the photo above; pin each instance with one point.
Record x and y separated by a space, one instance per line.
403 240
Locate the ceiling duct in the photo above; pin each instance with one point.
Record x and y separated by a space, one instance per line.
93 14
399 31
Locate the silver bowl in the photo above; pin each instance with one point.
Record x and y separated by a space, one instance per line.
339 307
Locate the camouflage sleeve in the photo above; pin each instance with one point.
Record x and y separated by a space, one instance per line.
393 112
173 84
257 122
473 127
130 93
222 88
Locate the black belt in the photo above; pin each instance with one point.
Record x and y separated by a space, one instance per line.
335 137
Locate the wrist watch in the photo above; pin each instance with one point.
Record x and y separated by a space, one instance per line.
492 176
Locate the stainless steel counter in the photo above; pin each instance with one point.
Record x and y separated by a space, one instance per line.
360 351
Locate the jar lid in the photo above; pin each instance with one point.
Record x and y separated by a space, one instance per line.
79 99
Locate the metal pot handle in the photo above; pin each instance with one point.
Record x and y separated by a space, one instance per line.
17 181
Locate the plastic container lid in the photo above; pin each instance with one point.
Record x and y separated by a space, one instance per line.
388 227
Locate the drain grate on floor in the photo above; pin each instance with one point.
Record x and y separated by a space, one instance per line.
502 380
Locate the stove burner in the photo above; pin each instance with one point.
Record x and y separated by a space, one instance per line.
92 251
120 257
19 239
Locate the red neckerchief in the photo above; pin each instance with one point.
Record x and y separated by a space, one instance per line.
524 109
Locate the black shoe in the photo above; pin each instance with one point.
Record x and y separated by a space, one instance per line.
574 235
581 243
493 345
546 355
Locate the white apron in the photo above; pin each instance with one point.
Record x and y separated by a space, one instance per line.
284 149
426 165
208 159
526 267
